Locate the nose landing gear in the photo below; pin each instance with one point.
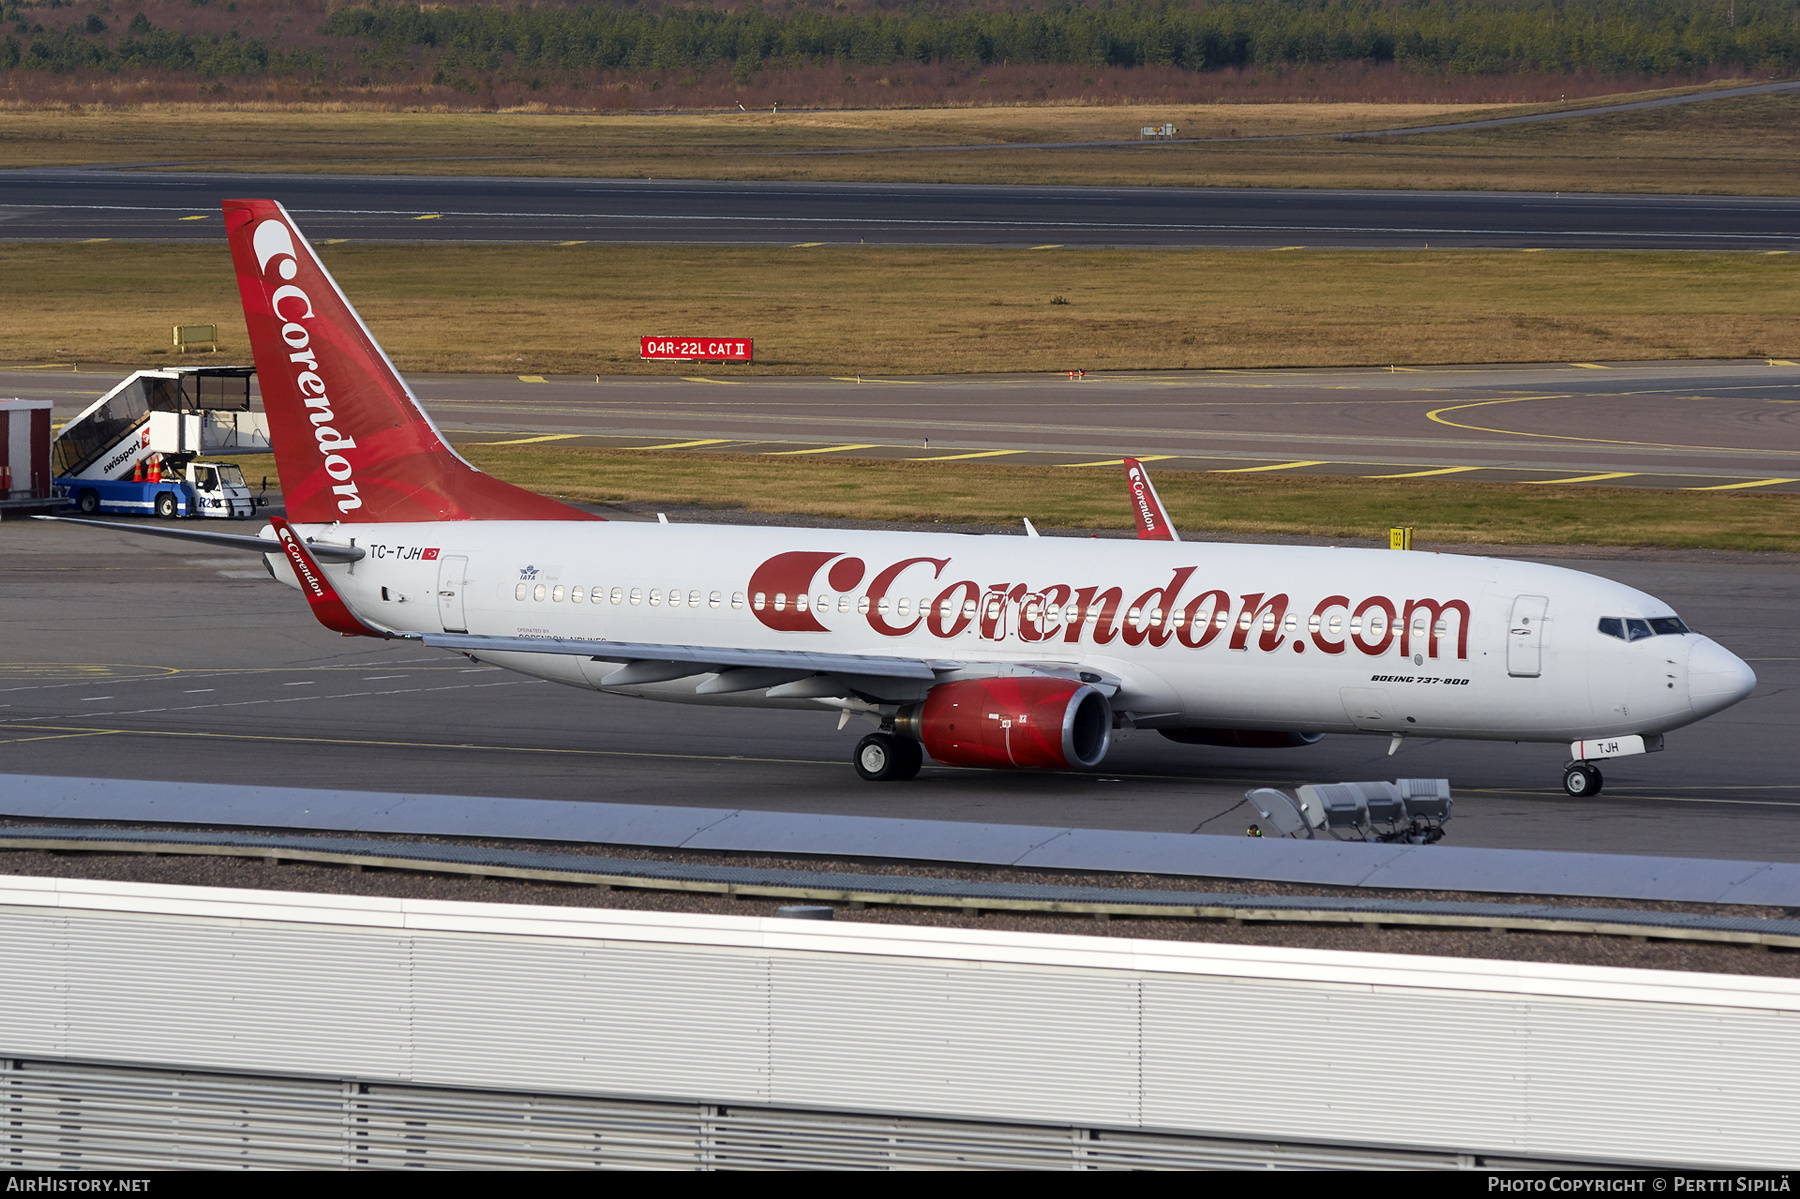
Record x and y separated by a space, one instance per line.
1581 780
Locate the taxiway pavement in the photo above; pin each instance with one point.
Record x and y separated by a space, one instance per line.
82 203
1725 426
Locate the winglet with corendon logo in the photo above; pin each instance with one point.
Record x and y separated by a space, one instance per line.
327 605
1152 522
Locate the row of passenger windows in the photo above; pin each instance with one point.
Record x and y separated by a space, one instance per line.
556 594
905 607
1630 628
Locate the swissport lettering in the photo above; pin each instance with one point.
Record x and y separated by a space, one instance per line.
697 349
916 593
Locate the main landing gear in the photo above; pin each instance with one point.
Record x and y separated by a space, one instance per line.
884 758
1581 780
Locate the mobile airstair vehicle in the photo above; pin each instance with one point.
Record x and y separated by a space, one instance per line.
138 449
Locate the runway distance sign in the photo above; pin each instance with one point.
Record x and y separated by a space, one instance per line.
697 349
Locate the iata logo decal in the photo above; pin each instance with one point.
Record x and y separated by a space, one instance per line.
526 573
913 594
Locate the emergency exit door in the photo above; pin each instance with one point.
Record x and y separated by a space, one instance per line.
450 593
1525 637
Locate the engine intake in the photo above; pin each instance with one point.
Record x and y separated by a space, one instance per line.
1004 723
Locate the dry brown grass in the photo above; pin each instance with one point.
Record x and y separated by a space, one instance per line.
1742 146
581 309
1198 503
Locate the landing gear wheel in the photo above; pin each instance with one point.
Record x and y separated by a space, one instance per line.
1583 781
87 503
885 758
165 505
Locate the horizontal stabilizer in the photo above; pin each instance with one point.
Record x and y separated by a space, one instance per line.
232 541
331 609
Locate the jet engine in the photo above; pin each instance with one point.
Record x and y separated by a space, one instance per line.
1241 738
1002 723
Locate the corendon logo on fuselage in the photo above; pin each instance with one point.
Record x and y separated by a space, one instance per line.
273 243
780 592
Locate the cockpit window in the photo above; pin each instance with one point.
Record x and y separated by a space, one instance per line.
1630 628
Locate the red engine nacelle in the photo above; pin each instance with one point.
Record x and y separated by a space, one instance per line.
1042 723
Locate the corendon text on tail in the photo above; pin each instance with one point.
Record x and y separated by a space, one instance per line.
996 651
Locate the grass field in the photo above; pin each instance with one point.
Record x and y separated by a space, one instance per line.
1094 498
581 309
1744 146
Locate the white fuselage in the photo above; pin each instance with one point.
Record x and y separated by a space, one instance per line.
1199 634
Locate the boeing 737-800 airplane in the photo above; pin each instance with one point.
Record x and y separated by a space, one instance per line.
993 651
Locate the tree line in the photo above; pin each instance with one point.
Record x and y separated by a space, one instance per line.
1469 37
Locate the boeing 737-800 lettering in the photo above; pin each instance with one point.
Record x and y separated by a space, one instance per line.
994 651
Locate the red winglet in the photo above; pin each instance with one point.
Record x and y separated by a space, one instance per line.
327 605
1153 523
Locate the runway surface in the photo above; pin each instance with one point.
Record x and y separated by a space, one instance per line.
127 658
76 204
1724 426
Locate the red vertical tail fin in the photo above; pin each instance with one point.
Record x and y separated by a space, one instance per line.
1153 523
350 438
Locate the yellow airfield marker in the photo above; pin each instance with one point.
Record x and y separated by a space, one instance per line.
1590 366
1420 474
720 382
571 243
1617 474
1250 470
960 457
201 217
806 245
1121 461
532 379
529 440
824 449
430 216
1741 486
682 445
1052 246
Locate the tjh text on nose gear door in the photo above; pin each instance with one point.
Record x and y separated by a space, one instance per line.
450 583
1525 637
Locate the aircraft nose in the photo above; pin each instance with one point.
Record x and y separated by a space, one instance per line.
1717 678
